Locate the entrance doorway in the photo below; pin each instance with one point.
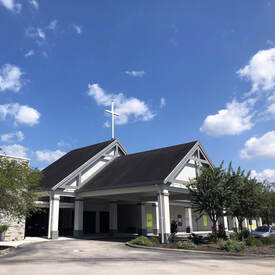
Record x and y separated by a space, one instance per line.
37 224
89 222
104 222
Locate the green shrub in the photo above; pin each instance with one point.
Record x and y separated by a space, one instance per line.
234 236
3 228
231 246
154 240
244 234
196 239
211 237
250 241
141 240
267 241
186 245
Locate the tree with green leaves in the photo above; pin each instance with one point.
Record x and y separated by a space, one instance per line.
244 200
267 210
18 187
209 194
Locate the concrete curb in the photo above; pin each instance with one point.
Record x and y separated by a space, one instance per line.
197 251
7 250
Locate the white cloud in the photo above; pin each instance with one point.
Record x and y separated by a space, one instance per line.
11 5
34 3
48 155
29 53
10 78
262 147
35 33
265 175
233 120
15 150
62 143
135 73
126 107
53 24
77 28
20 113
260 70
162 102
12 137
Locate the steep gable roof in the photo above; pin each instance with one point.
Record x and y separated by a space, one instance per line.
146 167
64 166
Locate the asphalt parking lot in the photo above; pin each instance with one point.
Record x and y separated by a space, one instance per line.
111 257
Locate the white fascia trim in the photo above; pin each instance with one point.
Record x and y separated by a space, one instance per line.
88 162
180 165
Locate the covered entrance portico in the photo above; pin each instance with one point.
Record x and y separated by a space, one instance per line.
141 210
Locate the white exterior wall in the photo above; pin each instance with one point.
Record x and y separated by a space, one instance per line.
188 172
93 168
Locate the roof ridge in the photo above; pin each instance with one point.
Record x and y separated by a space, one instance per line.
107 141
161 148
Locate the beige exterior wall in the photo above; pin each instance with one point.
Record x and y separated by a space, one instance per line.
16 230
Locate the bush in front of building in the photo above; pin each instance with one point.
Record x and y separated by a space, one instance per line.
141 240
231 246
240 236
154 240
3 228
186 245
267 241
250 241
195 238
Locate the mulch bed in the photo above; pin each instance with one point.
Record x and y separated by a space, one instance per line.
212 247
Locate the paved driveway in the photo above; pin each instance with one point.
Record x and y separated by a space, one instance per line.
106 257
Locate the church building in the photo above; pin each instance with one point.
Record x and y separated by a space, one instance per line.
103 189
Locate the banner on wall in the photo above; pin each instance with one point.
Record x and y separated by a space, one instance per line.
204 220
149 219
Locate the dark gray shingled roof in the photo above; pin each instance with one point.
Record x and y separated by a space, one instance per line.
140 168
64 166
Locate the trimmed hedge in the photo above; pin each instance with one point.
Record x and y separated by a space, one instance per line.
141 240
186 245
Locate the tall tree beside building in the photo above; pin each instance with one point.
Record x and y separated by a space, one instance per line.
245 195
18 187
209 194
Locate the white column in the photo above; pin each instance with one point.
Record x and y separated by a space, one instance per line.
164 216
50 217
78 218
225 223
53 216
142 227
113 218
236 223
156 229
245 224
188 218
260 222
97 222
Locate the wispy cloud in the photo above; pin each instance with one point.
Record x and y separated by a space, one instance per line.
35 32
11 5
10 78
53 24
48 155
77 28
34 4
162 102
126 107
265 175
135 73
15 150
12 137
29 53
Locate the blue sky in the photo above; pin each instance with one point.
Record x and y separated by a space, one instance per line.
177 70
